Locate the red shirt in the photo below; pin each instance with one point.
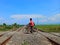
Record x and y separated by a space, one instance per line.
31 23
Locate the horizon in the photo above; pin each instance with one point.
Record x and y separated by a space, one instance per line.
20 11
26 24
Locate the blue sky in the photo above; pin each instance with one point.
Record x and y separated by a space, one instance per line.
42 11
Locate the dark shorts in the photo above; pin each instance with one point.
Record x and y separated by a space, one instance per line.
31 29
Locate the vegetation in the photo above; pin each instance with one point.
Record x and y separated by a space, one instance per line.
49 28
25 43
5 27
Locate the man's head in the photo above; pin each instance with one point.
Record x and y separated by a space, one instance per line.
30 19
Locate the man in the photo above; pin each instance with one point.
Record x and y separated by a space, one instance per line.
31 23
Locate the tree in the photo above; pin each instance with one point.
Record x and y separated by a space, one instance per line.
15 26
4 24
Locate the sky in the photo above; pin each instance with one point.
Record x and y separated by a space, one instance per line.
19 11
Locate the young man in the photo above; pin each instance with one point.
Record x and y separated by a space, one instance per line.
31 23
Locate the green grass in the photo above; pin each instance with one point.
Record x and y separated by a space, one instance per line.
49 28
5 28
9 27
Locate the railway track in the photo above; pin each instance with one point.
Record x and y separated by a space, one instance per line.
48 37
49 33
55 34
5 37
10 31
53 38
4 33
1 34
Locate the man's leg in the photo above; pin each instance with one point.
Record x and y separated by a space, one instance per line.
31 29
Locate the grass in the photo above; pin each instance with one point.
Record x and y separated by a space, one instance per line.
25 43
5 28
49 28
9 27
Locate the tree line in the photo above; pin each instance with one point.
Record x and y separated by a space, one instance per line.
5 26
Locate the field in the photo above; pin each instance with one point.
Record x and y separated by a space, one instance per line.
6 27
49 28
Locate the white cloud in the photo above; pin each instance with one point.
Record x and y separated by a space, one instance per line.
55 18
44 20
22 18
26 16
41 18
51 19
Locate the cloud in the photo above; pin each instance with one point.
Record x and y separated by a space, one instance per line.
44 20
24 19
41 18
6 20
26 16
55 18
51 19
